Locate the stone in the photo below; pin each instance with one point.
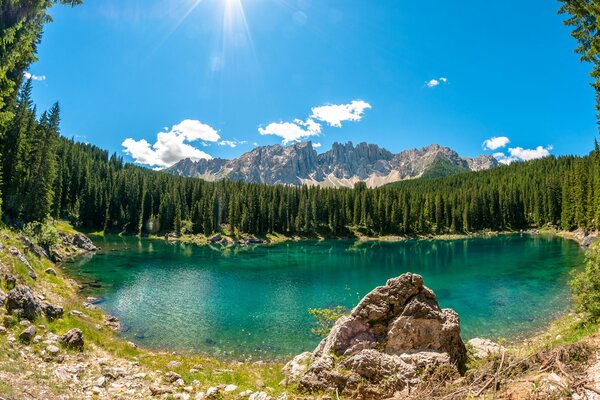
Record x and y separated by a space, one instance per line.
2 298
76 313
260 396
84 242
52 312
172 377
3 331
483 348
52 350
296 368
173 365
212 392
246 393
587 241
11 281
73 339
230 388
21 301
28 334
25 323
394 332
34 248
51 271
17 254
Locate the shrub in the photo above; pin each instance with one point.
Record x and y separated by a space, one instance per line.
586 284
325 318
44 234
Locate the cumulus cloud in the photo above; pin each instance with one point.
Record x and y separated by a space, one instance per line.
436 82
292 131
495 143
332 114
28 75
521 154
317 145
335 114
172 145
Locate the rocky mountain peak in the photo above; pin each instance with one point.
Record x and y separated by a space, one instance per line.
341 166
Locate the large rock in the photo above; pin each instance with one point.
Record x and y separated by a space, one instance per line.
17 254
396 331
21 301
83 242
73 339
52 312
34 248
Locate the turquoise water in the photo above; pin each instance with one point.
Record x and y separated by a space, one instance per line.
252 301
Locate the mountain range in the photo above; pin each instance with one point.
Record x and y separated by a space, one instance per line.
341 166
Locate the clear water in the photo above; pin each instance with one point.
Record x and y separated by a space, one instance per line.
253 301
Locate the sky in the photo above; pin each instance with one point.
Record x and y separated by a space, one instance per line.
160 80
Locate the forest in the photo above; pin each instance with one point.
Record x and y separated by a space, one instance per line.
48 176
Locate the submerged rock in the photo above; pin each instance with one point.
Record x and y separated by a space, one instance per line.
393 333
22 302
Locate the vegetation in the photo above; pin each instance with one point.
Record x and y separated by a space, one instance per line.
326 318
586 285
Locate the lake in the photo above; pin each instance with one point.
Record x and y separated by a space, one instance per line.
252 302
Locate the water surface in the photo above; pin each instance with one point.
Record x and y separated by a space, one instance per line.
253 301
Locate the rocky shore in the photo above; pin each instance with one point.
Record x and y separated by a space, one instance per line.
397 343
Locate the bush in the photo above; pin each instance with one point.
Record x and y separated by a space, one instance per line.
586 284
44 234
325 318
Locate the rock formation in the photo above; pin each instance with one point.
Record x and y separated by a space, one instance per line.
342 166
378 350
21 301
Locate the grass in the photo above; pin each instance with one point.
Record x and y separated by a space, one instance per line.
60 291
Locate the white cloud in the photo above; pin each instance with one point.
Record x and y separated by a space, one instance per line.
292 131
231 143
196 130
521 154
28 75
335 114
495 143
436 82
317 145
170 146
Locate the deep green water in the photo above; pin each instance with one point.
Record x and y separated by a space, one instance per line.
253 301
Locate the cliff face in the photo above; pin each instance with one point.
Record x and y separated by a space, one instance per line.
342 166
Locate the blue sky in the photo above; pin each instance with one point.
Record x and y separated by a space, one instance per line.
214 74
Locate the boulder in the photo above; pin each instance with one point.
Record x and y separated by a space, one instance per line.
83 242
73 339
21 301
481 348
396 331
28 334
52 312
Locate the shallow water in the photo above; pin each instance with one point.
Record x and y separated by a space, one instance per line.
253 301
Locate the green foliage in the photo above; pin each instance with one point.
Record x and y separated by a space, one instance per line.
43 233
586 285
583 18
325 318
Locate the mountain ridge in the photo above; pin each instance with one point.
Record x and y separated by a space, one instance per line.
341 166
